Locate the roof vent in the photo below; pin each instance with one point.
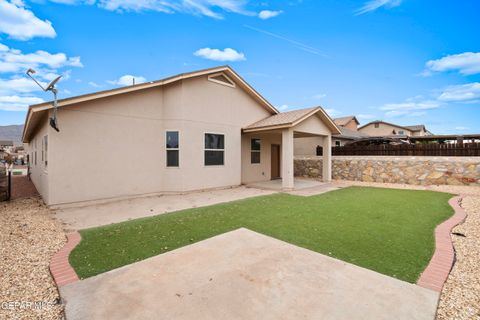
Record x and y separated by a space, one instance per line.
221 78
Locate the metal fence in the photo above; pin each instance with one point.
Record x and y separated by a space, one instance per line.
434 149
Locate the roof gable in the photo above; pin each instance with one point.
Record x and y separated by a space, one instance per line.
290 119
223 74
343 121
384 122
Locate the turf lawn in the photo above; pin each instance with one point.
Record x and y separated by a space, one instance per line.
385 230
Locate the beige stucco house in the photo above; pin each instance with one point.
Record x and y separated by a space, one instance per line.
385 129
199 130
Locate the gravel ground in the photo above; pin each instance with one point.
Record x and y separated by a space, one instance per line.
460 298
29 236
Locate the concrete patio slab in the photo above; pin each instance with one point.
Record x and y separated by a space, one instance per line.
97 214
276 185
245 275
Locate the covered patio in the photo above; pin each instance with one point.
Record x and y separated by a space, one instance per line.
276 138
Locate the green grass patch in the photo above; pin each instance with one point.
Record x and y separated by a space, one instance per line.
386 230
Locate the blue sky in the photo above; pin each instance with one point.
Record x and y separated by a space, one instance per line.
401 61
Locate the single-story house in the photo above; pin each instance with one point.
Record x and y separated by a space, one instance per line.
193 131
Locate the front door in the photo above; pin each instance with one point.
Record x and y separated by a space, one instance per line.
275 156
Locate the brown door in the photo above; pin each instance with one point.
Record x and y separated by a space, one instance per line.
275 155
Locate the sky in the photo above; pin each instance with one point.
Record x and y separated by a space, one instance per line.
402 61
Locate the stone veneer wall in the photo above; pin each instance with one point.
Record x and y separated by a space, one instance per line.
392 169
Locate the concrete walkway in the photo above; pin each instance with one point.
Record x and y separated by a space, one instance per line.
97 214
245 275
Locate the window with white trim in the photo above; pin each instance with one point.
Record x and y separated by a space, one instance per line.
173 148
214 149
255 147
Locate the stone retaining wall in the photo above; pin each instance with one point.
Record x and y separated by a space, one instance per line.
402 169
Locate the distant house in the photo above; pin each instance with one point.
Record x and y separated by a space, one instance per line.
386 129
349 131
198 130
6 143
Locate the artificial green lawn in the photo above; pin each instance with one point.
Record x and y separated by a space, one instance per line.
386 230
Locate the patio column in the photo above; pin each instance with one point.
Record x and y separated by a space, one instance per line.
327 159
287 159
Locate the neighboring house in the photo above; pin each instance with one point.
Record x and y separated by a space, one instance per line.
198 130
385 129
6 144
349 131
348 122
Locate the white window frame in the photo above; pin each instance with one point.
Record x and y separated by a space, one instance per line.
205 149
212 76
172 149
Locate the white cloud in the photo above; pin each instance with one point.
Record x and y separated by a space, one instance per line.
319 96
283 107
410 108
466 63
13 60
228 54
461 128
332 112
209 8
127 80
411 105
365 116
461 93
20 23
17 103
9 86
267 14
376 4
94 84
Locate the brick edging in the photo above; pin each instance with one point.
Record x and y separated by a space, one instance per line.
60 268
436 273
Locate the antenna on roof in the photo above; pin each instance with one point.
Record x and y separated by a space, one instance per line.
50 87
133 81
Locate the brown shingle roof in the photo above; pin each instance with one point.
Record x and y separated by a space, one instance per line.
417 127
283 118
350 134
342 121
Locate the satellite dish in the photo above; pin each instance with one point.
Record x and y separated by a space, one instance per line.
51 85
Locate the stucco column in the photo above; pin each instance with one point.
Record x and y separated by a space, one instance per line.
287 159
327 159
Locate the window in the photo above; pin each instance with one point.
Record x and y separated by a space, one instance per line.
45 143
401 132
377 125
172 147
337 143
35 157
214 149
255 151
42 149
